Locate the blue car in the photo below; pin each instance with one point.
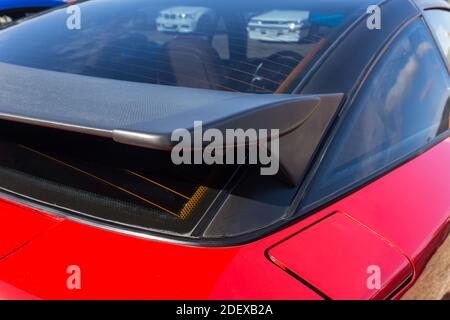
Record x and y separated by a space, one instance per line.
14 9
17 4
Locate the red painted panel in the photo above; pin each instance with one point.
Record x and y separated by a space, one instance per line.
334 256
117 266
9 292
19 225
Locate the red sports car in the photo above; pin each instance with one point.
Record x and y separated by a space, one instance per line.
94 206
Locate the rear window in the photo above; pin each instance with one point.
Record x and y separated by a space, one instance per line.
239 46
243 46
106 181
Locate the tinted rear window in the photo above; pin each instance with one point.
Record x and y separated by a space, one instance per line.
243 46
106 181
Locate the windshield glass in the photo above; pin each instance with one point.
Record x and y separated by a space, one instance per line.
243 46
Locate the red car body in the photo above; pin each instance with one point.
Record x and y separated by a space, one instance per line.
392 231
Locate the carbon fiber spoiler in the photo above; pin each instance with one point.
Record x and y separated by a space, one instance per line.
145 115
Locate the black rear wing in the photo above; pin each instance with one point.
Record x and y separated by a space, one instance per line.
146 115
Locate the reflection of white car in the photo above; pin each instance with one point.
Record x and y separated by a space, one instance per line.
183 19
5 20
278 25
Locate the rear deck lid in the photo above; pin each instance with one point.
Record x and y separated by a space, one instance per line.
341 258
20 225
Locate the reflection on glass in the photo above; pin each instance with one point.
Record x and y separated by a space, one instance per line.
440 23
402 107
278 25
183 19
186 43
